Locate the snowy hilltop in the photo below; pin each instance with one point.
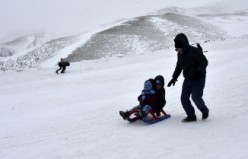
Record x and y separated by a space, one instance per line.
138 35
44 115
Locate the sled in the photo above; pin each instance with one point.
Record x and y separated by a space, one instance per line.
151 118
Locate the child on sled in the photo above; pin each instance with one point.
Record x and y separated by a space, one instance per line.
151 99
159 84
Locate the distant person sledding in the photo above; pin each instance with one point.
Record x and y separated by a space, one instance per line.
151 103
62 65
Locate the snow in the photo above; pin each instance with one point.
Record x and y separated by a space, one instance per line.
44 115
69 17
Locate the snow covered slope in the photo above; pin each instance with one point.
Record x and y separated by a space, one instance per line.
145 34
150 31
44 115
75 115
63 17
132 36
23 44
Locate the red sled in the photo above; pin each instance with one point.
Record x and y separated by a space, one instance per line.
151 118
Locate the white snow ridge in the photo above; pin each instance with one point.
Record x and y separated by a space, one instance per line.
44 115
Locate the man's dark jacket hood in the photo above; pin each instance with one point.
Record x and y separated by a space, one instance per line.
183 40
191 61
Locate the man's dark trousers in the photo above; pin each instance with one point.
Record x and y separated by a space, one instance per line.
195 89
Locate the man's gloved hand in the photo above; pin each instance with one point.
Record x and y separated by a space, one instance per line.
172 81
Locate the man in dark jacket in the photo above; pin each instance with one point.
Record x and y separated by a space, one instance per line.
62 65
193 63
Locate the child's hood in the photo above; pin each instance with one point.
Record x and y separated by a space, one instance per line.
159 79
